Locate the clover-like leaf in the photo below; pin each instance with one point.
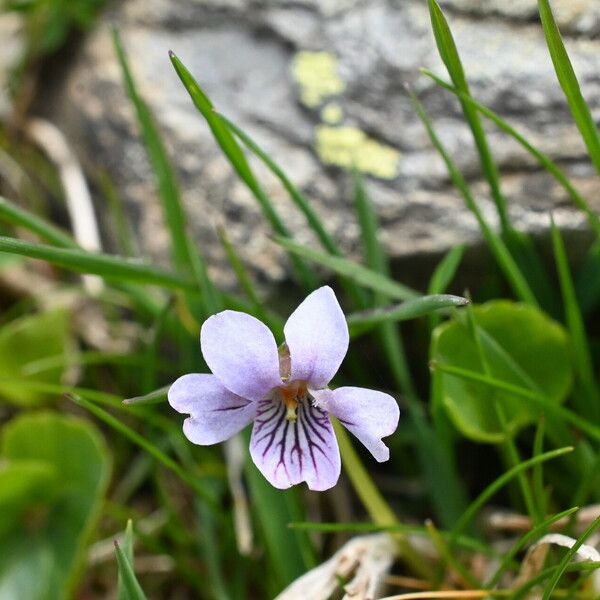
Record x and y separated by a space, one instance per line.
53 507
519 345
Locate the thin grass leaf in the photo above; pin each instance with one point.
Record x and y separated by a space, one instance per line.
364 321
155 397
132 588
236 157
443 275
533 534
296 195
123 592
351 270
567 558
500 482
569 84
501 254
107 266
535 398
143 443
168 189
375 504
590 404
524 590
13 214
463 541
538 471
242 274
544 160
448 559
449 55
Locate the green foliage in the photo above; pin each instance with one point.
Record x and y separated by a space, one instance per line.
514 343
26 340
65 468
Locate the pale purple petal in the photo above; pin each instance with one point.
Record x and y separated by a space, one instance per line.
368 414
317 336
289 452
241 352
216 413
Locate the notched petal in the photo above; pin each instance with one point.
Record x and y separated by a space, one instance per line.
368 414
317 337
216 414
288 452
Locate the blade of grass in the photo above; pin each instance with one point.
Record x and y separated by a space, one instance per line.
302 203
499 483
510 448
186 256
123 585
544 160
567 558
590 403
501 254
441 478
141 441
107 266
451 59
569 84
238 161
446 269
168 190
242 274
538 471
131 587
13 214
535 398
375 504
351 270
533 534
362 322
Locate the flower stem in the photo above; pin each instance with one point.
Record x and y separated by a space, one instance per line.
377 507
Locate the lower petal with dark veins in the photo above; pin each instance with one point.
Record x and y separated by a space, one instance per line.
288 452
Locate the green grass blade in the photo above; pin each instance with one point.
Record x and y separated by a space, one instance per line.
498 248
443 275
535 398
364 321
544 160
583 360
131 586
567 558
155 397
449 55
236 157
500 482
123 584
533 534
351 270
105 265
13 214
298 198
168 189
143 443
242 274
569 84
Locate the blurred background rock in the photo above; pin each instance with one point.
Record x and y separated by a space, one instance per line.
319 85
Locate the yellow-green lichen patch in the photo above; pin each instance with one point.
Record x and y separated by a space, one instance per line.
317 75
349 147
332 113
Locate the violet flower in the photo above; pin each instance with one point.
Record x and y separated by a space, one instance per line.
284 391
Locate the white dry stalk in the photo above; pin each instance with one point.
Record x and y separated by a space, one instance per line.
368 557
235 457
536 556
77 194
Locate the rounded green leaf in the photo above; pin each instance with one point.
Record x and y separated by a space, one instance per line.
25 341
44 548
519 345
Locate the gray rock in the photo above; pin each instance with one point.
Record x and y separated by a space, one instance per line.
313 81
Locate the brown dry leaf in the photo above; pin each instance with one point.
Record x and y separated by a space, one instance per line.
368 557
